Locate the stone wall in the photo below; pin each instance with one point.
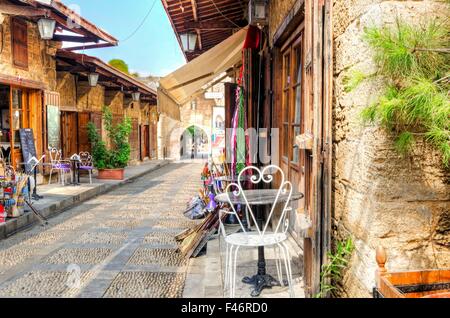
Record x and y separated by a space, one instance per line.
114 100
381 198
90 99
278 10
66 87
41 64
170 130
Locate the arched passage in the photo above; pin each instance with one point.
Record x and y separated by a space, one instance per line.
194 143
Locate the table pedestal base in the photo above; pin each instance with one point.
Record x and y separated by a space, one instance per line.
36 197
260 282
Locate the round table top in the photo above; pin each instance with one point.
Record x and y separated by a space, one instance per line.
231 179
258 197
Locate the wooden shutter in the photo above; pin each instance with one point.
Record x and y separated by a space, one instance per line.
19 39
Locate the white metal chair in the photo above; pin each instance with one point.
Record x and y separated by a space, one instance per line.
60 165
275 237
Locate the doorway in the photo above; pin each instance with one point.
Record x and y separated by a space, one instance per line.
145 142
194 144
19 108
294 161
69 127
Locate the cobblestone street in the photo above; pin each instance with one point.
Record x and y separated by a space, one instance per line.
120 244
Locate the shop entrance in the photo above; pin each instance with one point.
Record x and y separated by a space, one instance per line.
18 109
145 142
69 125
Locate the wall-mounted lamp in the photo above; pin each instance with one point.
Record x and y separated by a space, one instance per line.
93 79
188 41
257 12
46 28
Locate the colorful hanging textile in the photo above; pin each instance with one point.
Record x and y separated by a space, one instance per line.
240 134
240 143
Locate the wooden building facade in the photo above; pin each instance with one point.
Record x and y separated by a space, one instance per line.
82 103
41 91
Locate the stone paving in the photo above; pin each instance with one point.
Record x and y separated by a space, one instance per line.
120 244
205 274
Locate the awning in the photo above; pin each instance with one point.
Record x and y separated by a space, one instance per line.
181 85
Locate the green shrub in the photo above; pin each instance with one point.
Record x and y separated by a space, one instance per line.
414 62
119 153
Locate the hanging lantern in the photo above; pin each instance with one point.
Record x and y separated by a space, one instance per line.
257 12
136 96
188 41
93 79
46 28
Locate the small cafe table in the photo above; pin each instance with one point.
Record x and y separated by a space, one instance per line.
259 199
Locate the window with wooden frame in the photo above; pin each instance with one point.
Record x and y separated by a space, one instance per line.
19 42
292 101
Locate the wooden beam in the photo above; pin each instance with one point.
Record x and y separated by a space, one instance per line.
200 42
212 25
23 11
194 10
71 69
19 81
72 38
86 47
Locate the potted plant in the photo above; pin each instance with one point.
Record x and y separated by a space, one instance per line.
111 161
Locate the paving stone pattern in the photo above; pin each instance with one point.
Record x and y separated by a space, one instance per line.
120 244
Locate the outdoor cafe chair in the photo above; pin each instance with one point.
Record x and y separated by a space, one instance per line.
58 164
86 164
273 233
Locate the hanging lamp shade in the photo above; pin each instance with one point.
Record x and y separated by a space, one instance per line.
188 41
136 96
93 79
46 28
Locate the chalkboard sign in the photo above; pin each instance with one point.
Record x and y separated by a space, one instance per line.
28 146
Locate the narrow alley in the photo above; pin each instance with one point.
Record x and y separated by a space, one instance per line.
120 244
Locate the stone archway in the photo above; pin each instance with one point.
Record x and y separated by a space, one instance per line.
179 143
194 143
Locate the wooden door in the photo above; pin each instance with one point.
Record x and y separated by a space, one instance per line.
146 141
153 146
83 139
82 122
69 125
293 160
134 139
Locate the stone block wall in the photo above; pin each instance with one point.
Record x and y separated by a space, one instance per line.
41 64
66 87
114 100
380 197
278 10
90 99
170 130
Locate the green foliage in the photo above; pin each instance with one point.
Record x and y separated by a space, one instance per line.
120 65
332 272
414 61
119 153
409 50
353 80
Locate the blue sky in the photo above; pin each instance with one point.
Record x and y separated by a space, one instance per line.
153 50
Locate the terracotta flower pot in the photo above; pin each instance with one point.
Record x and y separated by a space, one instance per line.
111 174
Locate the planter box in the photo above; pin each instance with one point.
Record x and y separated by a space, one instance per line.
411 284
111 174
